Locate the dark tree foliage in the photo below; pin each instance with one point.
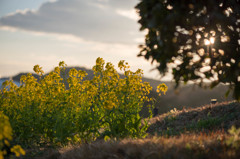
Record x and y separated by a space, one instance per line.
196 39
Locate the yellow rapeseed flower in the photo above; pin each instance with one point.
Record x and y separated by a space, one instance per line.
17 149
38 70
6 136
162 88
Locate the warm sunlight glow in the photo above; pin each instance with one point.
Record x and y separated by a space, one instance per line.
209 41
206 42
212 40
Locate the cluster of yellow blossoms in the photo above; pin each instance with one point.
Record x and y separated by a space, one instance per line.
6 136
61 107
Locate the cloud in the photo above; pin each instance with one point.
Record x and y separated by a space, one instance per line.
128 13
92 20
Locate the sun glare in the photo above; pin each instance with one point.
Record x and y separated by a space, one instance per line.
206 42
212 40
209 41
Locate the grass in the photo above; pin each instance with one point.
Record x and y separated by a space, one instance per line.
207 118
184 146
203 132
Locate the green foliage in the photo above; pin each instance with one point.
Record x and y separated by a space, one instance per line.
196 39
170 132
234 139
208 123
205 124
50 111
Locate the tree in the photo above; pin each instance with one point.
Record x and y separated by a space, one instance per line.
196 40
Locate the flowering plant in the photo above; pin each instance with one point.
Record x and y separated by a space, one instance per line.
57 110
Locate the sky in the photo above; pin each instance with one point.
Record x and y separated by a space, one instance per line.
46 32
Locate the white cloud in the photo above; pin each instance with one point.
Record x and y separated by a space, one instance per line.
103 21
23 12
76 31
8 28
52 1
131 14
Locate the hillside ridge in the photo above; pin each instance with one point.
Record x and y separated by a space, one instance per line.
207 118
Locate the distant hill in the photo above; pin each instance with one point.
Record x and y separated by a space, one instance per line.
4 79
186 96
